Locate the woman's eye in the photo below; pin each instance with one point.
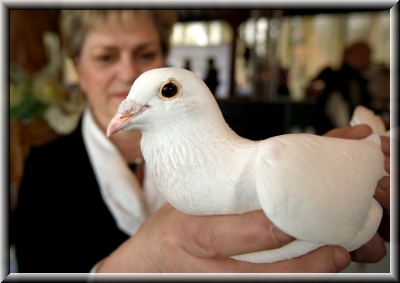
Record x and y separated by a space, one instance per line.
104 58
148 56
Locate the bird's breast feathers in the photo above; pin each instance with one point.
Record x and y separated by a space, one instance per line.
199 179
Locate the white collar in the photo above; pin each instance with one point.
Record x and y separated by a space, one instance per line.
127 201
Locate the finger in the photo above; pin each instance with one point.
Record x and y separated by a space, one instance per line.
384 183
371 252
387 163
385 145
384 230
327 259
218 236
382 194
356 132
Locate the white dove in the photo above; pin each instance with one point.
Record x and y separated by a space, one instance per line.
317 189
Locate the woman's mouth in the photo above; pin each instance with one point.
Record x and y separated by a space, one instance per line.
120 95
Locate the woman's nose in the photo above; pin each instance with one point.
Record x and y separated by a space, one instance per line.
128 71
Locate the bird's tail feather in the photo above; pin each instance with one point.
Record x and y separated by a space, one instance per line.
370 227
291 250
363 115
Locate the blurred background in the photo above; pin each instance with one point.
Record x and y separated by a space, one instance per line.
266 64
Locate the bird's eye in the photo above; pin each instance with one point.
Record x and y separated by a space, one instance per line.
169 89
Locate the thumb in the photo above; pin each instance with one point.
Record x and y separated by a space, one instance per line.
357 132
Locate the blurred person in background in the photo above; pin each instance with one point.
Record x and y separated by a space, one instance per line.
211 78
379 88
86 202
339 92
188 64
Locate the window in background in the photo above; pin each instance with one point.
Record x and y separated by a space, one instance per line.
204 33
193 43
258 72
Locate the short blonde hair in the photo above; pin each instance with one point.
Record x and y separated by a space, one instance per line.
74 24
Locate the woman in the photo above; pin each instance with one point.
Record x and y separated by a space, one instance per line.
81 208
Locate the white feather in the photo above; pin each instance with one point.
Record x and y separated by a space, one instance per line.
363 115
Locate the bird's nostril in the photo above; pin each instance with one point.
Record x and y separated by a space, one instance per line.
125 116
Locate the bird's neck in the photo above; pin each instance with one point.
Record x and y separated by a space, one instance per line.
128 144
202 165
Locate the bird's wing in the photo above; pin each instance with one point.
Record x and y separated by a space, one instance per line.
315 188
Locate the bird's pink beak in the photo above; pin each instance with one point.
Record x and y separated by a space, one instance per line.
117 123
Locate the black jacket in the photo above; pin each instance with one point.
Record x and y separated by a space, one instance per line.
61 221
352 87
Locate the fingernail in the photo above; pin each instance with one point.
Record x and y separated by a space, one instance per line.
340 259
280 236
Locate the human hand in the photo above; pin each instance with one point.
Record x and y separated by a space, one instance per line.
375 249
171 241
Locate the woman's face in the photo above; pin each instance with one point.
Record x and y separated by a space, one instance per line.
111 59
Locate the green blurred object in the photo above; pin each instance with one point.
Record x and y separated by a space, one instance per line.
32 94
48 90
42 96
17 95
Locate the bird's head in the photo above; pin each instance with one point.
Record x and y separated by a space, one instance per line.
162 97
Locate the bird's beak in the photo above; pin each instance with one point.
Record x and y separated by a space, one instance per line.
117 123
